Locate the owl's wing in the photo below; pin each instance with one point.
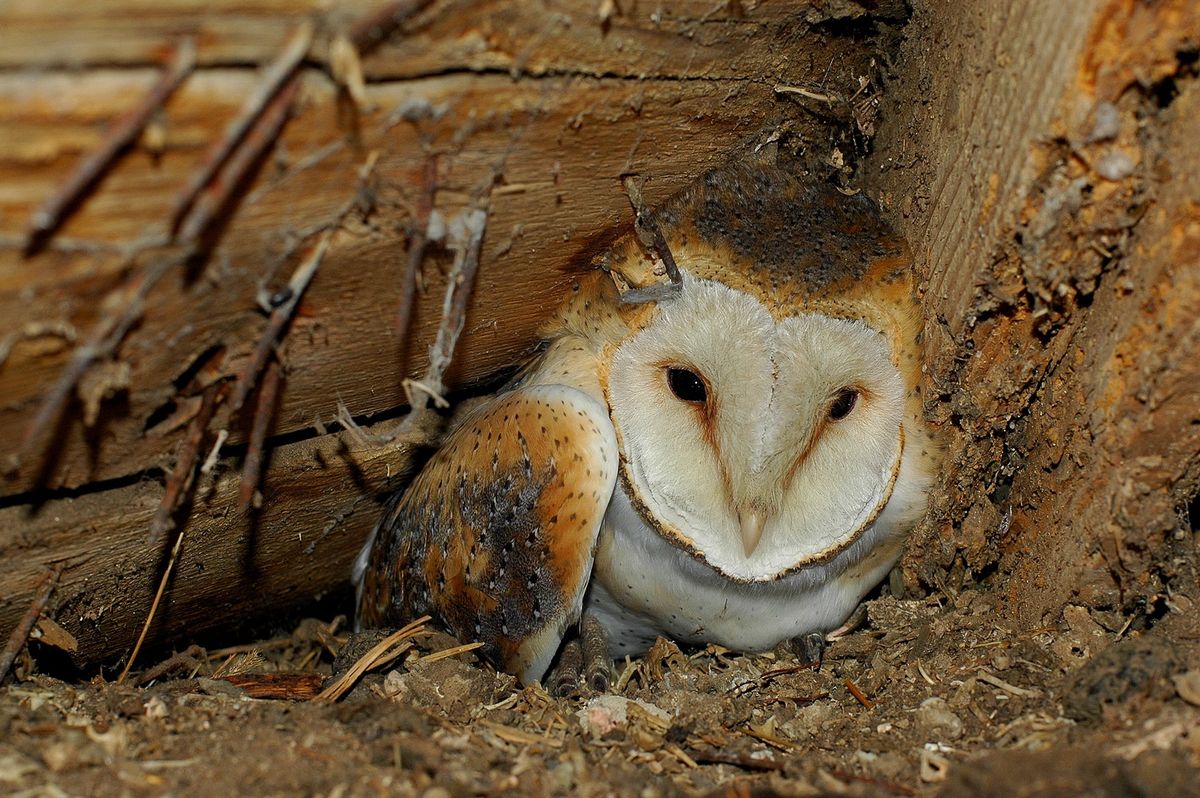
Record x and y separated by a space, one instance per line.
497 534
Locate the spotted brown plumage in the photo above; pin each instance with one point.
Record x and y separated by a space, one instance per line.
496 535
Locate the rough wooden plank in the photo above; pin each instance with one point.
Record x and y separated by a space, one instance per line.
563 142
691 38
1044 195
320 504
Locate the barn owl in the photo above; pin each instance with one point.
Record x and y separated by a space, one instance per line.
736 461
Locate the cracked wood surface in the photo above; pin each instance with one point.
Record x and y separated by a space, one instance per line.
560 102
1050 195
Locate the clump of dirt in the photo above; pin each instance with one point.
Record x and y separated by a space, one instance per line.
931 697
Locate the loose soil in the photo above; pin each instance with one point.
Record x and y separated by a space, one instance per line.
931 696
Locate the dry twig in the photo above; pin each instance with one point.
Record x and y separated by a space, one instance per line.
466 238
418 240
123 308
180 478
189 657
278 320
20 634
252 110
858 694
386 650
651 237
747 762
122 133
264 410
177 485
220 191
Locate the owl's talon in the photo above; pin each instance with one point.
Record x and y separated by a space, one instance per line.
564 676
809 648
597 666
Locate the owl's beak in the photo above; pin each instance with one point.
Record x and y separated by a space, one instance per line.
752 529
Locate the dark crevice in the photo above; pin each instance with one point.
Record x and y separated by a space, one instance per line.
38 497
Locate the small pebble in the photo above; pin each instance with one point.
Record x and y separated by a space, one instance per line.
936 720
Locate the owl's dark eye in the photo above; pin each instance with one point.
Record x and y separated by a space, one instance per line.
686 385
843 403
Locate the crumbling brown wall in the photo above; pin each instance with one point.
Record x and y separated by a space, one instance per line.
1042 158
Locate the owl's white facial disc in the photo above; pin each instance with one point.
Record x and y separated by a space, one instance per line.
729 418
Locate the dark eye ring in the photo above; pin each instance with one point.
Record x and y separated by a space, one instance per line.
686 385
843 403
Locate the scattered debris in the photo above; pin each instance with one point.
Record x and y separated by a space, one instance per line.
20 633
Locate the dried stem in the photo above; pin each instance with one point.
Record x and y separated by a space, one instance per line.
177 484
301 277
19 636
466 238
279 319
221 190
264 411
382 653
252 110
122 133
185 658
180 478
376 26
418 240
124 307
648 231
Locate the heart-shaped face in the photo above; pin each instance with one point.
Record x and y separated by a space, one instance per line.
761 444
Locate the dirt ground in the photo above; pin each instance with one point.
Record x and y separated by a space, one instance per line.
931 696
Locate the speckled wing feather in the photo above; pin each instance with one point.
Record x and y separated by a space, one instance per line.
496 536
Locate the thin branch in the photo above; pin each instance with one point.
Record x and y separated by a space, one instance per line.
648 232
278 320
180 478
177 483
221 190
264 411
122 133
466 238
124 307
418 240
186 658
301 277
378 25
19 636
252 110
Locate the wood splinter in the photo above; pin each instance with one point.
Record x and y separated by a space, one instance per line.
124 131
466 237
20 634
253 109
650 235
222 188
264 411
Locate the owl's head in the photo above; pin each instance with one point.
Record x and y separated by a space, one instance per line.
764 410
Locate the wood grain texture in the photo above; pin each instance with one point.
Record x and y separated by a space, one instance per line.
1045 195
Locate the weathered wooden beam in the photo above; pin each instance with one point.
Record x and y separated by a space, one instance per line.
1046 194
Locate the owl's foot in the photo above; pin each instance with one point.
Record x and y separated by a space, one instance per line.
564 676
597 667
584 656
855 621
